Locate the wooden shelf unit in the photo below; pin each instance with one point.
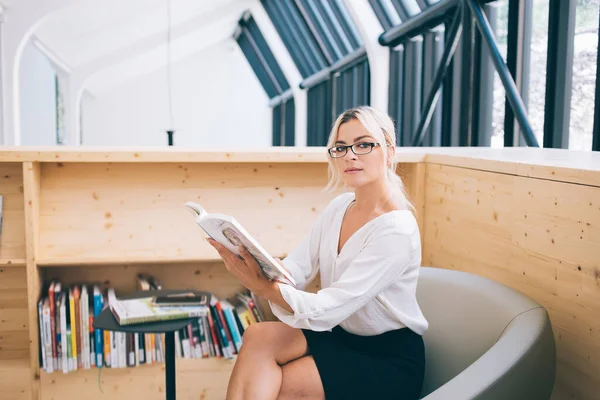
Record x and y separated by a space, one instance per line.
14 262
195 379
531 216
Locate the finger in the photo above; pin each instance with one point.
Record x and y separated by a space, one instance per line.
223 251
250 261
246 256
218 246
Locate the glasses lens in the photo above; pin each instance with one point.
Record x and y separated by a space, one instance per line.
362 148
338 151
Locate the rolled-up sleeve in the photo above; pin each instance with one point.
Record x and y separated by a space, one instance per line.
383 260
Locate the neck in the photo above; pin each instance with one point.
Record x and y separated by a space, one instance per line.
376 196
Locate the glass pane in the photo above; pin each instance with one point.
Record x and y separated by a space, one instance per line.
536 98
501 32
585 52
412 8
391 11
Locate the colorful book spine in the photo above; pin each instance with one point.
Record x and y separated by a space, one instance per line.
73 328
98 333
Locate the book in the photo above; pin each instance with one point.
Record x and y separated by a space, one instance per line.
227 231
135 311
217 333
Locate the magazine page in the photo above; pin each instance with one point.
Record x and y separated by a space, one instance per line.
228 232
140 310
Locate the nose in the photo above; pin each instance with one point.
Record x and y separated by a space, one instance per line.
350 154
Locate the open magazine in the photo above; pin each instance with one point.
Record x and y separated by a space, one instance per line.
142 310
228 232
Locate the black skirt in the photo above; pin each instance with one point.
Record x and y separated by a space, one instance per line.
386 366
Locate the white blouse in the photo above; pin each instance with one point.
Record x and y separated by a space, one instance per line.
369 288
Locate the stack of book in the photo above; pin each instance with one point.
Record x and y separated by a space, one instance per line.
219 332
69 342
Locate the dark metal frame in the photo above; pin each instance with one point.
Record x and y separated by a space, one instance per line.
559 73
382 16
265 66
325 73
469 18
326 47
343 18
518 59
483 87
401 10
296 35
433 48
430 18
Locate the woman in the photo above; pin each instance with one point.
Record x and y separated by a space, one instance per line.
359 337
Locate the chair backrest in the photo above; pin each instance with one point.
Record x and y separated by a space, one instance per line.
467 315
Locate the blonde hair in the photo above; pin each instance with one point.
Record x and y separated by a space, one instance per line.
379 125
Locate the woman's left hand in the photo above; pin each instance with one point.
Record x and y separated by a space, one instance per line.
246 269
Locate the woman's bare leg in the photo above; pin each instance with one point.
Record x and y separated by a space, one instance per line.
301 380
266 347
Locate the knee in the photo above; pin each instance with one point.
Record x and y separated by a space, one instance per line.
258 335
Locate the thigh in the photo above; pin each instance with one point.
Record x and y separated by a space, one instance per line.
301 380
279 340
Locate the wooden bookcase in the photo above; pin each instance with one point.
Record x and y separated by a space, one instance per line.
527 218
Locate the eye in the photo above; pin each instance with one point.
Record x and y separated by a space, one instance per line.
338 149
364 145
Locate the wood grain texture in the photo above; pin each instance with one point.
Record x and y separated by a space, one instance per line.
204 379
14 379
12 236
135 212
211 276
14 314
161 154
554 164
99 154
413 177
527 218
31 185
559 165
537 236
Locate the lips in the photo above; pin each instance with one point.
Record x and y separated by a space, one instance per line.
353 170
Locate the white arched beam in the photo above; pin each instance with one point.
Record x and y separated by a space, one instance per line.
369 29
20 20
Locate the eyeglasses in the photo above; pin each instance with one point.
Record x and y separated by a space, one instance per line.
360 149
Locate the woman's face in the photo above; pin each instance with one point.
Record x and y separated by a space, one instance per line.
357 170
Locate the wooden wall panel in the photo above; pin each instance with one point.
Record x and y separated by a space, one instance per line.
204 379
413 177
211 276
15 381
12 237
128 212
537 236
31 184
14 318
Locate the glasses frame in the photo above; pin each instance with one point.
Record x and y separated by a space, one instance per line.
351 147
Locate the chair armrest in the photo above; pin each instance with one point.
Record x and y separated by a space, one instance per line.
520 365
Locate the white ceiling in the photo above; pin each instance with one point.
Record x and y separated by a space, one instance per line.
182 48
125 38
